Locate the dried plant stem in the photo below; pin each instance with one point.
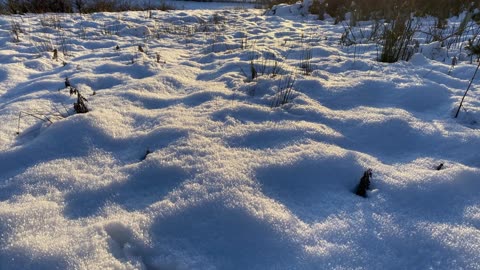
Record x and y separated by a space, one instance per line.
468 88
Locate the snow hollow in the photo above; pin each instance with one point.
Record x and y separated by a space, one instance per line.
231 139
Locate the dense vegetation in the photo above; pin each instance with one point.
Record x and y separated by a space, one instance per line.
68 6
368 9
365 9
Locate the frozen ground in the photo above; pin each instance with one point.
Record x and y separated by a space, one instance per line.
231 182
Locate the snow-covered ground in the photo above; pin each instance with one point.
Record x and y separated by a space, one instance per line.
230 181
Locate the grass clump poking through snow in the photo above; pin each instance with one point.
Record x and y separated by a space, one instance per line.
284 91
306 61
398 39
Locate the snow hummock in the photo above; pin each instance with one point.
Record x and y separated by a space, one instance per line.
182 163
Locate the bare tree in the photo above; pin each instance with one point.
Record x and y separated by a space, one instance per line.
79 5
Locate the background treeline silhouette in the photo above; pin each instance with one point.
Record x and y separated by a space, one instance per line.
68 6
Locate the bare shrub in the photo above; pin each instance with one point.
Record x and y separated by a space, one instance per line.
15 30
398 40
79 5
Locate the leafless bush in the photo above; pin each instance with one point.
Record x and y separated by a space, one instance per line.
398 43
262 64
318 7
52 21
15 30
79 5
42 43
61 41
361 34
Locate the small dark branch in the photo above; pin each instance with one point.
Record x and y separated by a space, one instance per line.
15 31
253 70
454 63
18 126
439 167
468 88
46 119
59 114
244 73
65 108
67 83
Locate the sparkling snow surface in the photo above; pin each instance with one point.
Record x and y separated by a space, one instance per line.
231 183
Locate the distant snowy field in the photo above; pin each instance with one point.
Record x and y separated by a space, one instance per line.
231 182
